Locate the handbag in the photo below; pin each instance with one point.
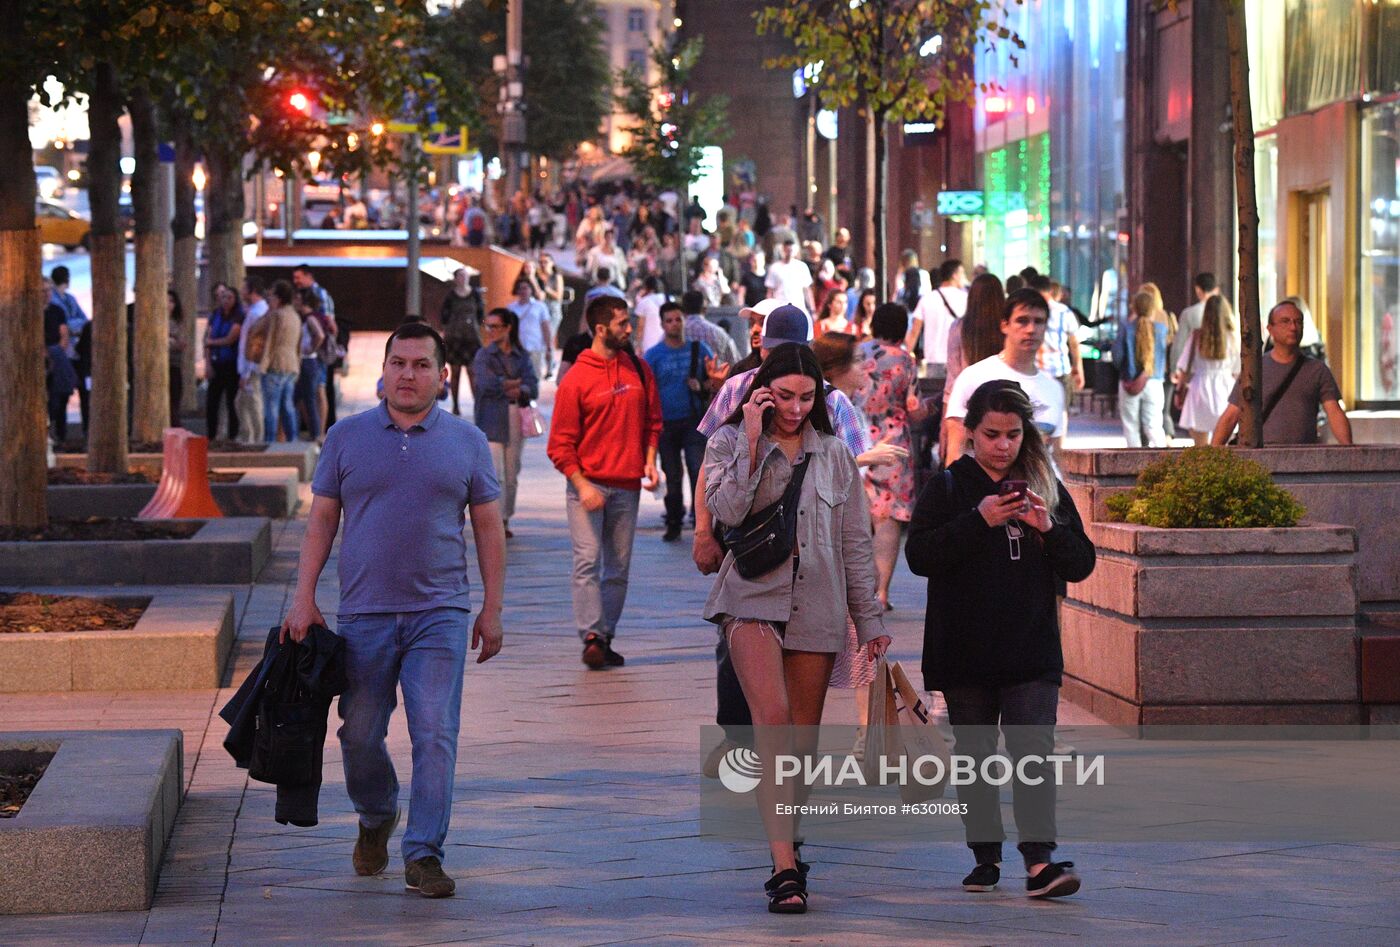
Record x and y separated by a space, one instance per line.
1184 386
766 537
532 421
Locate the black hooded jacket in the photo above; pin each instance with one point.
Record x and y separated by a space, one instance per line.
991 619
277 720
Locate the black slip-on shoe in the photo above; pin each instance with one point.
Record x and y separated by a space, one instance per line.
1056 880
983 878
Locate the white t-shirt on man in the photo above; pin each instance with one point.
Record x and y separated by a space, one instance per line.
788 280
1046 393
939 309
648 310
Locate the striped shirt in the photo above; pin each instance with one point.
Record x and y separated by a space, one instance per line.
700 329
1053 356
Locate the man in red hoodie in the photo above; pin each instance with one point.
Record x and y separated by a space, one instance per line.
607 422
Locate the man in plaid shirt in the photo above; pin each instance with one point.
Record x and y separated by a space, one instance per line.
700 329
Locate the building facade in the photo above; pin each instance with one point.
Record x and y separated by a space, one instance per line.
631 28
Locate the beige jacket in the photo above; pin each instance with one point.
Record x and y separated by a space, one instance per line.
283 350
836 572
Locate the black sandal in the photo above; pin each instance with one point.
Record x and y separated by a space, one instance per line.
786 884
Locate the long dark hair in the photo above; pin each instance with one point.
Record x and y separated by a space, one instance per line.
790 358
512 322
981 325
1033 460
912 288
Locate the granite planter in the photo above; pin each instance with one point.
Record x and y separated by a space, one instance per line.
300 456
91 835
266 491
180 642
1216 626
230 551
1352 486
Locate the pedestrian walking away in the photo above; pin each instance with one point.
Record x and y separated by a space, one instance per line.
403 473
459 322
785 619
994 535
506 383
603 439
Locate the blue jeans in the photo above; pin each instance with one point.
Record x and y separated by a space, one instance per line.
307 393
680 439
602 558
424 653
278 388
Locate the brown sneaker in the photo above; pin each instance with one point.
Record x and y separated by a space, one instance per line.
371 854
426 877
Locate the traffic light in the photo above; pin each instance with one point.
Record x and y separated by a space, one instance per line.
298 101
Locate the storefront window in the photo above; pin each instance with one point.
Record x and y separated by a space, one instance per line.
1323 55
1266 197
1379 290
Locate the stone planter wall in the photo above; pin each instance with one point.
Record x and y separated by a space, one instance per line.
180 642
268 491
230 551
1351 486
300 456
1216 626
91 835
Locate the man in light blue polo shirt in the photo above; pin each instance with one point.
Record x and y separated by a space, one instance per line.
403 473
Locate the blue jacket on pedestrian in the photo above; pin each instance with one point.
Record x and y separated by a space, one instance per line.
492 367
1125 351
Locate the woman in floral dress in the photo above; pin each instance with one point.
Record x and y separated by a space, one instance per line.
887 401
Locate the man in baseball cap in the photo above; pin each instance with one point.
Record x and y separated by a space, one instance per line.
786 323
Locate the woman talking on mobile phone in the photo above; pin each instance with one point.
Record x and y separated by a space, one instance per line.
993 534
798 530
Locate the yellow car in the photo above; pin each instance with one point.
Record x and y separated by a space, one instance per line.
57 224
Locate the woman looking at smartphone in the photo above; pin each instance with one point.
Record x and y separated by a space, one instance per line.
785 626
993 534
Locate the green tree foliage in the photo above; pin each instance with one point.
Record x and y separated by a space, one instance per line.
1205 488
568 85
871 55
672 125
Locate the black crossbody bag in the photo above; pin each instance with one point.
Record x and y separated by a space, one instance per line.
766 537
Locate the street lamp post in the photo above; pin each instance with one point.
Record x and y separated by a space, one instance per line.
511 69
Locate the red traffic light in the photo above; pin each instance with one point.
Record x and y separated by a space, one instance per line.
299 102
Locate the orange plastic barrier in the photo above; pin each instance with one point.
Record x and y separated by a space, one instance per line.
184 480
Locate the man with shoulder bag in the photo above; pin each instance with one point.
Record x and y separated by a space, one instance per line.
681 379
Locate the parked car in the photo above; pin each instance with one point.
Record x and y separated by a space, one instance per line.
57 224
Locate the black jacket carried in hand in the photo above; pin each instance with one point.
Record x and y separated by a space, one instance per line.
277 720
992 617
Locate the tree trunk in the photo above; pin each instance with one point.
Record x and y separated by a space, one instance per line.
880 197
223 209
23 420
1251 349
184 261
150 382
107 433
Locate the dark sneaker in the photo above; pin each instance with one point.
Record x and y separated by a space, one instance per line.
426 877
611 658
673 533
983 878
710 768
371 855
595 652
1056 880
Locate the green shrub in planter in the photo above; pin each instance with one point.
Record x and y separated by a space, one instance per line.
1205 488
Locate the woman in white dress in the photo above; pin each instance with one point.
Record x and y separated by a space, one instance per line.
1207 370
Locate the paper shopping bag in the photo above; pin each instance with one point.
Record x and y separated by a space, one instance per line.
921 738
882 723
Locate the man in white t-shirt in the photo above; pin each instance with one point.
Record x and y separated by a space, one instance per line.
937 310
790 280
248 403
1023 328
648 313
